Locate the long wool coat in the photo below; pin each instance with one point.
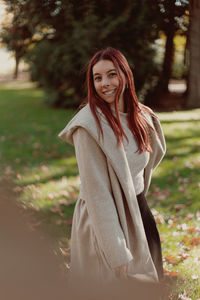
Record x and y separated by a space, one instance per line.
107 229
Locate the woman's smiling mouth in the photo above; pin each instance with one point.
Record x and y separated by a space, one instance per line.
109 92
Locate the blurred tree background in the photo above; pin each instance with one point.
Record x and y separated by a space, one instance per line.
57 39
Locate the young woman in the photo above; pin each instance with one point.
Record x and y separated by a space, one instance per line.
118 142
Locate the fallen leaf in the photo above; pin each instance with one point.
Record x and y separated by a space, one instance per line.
56 210
176 173
44 168
171 223
192 229
17 189
9 171
64 193
198 215
182 188
189 216
59 222
50 196
195 241
197 260
160 195
65 251
178 207
172 273
172 259
36 145
175 158
182 226
63 201
187 248
183 256
183 296
72 196
37 177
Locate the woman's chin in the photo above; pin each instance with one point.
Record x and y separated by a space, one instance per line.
109 101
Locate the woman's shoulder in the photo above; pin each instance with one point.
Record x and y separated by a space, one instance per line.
147 110
150 116
155 123
82 119
84 139
82 116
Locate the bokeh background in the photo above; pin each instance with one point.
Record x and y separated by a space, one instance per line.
45 47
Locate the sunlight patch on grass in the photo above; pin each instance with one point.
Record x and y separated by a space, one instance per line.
47 195
45 172
174 116
18 85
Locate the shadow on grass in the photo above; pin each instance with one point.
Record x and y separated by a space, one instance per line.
182 186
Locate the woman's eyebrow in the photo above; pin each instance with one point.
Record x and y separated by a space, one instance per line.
111 70
106 72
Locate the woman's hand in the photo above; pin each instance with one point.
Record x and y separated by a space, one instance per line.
122 271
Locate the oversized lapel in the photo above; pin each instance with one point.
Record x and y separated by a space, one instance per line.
115 154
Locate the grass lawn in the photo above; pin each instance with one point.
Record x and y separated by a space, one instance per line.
45 174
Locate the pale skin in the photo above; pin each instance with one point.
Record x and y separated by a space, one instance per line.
106 83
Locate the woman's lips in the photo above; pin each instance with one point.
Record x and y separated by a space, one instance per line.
109 92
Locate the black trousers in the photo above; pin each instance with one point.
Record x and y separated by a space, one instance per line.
152 234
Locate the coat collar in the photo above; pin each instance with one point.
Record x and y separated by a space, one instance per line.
112 151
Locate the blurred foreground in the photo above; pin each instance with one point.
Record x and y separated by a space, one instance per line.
30 269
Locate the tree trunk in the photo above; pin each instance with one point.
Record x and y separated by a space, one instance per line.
17 59
169 49
186 63
193 100
154 99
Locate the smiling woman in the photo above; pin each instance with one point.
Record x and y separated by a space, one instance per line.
106 82
114 234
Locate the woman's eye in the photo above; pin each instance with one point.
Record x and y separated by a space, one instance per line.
113 74
98 78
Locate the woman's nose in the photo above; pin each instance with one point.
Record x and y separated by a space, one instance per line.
105 81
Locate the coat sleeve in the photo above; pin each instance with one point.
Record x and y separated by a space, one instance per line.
158 144
96 190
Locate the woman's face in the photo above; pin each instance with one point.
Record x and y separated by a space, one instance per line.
106 81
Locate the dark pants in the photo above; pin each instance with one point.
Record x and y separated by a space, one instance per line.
151 234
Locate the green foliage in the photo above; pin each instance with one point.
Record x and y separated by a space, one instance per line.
67 33
16 35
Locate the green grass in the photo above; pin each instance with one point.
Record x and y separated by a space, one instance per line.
174 194
45 174
42 166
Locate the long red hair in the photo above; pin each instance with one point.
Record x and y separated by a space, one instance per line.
137 123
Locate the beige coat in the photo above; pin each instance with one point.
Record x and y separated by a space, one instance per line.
107 229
